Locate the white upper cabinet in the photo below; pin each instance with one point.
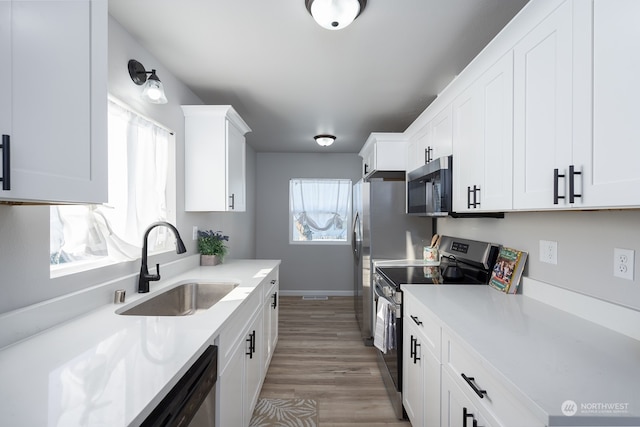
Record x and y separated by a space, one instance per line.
215 158
53 109
383 155
552 83
610 161
483 142
433 140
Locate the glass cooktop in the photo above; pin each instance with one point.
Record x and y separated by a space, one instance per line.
420 275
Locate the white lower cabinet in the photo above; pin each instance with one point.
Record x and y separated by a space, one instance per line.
457 409
486 391
246 347
270 310
241 379
421 380
445 383
420 365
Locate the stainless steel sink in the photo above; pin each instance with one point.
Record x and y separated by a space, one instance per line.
183 300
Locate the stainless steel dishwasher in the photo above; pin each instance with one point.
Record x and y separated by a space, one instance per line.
192 401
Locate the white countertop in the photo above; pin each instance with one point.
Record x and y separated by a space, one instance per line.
546 356
105 369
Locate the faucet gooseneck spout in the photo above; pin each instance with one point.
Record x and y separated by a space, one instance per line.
145 277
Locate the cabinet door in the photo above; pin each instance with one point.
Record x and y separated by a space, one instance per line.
231 389
468 147
253 366
611 172
483 141
441 139
236 169
412 375
422 139
58 65
543 73
270 326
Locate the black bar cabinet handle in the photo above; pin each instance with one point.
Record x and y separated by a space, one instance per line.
413 349
366 168
476 191
556 177
415 353
468 197
470 380
275 300
6 163
416 320
233 201
572 187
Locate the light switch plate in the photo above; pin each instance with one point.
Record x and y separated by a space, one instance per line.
623 263
549 252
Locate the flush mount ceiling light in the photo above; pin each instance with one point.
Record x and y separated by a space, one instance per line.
324 140
335 14
152 90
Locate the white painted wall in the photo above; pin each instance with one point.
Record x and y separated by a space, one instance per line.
313 269
585 247
24 230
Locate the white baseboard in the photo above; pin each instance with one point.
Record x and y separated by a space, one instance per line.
300 293
612 316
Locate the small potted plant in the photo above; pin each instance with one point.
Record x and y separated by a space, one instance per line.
211 247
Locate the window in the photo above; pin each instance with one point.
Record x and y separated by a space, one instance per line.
320 211
141 191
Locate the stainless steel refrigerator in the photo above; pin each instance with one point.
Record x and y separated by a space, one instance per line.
381 231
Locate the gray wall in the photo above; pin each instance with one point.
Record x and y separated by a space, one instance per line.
24 230
324 270
586 240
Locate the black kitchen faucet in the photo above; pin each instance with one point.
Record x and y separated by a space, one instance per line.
145 277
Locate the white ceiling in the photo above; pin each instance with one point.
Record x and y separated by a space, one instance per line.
290 79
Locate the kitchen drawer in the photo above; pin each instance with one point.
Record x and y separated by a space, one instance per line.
269 283
497 400
234 328
416 313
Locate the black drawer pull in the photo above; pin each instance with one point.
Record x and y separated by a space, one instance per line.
471 381
274 304
416 320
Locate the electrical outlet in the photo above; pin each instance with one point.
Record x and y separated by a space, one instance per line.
623 262
195 232
549 252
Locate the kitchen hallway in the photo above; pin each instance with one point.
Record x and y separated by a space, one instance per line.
320 356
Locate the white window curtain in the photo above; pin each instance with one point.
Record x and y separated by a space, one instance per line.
138 173
320 210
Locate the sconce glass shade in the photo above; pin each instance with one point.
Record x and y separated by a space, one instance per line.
335 14
324 140
153 90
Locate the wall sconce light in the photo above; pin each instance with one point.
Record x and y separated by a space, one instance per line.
335 14
152 90
324 140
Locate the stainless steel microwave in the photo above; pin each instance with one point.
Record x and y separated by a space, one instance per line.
429 188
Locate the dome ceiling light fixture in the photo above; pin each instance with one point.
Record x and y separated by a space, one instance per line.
335 14
324 140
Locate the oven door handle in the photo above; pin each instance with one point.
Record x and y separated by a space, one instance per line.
379 295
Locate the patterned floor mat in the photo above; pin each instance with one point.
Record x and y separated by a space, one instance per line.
285 413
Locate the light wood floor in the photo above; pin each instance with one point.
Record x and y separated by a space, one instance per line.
320 356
